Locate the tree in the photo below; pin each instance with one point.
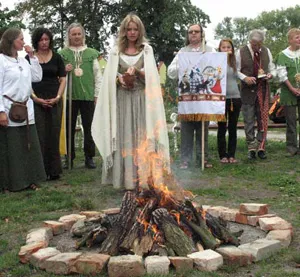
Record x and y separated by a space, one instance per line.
9 19
276 23
58 14
224 29
166 22
236 28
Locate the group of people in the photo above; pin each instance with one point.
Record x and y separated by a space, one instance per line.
122 111
252 66
30 148
125 107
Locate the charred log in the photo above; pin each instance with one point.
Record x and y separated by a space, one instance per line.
175 238
123 224
143 246
206 237
219 231
137 230
95 236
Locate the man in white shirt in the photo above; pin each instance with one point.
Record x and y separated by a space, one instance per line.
255 67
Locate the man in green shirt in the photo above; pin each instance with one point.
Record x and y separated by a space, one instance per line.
82 64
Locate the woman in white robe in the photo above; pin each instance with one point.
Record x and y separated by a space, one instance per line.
129 126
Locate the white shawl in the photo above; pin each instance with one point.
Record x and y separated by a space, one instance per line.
104 122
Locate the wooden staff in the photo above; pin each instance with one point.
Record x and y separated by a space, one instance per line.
70 120
203 122
202 144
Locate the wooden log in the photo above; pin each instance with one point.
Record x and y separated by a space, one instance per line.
206 237
143 246
131 236
123 224
220 231
176 239
215 225
137 230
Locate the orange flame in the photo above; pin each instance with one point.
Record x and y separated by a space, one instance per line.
176 215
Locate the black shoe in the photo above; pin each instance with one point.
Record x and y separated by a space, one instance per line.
262 154
89 163
251 155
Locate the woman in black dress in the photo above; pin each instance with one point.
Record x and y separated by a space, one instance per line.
47 97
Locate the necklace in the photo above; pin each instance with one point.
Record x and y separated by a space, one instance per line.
43 58
78 61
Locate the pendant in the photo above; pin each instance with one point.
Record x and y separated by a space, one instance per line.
297 78
78 72
261 73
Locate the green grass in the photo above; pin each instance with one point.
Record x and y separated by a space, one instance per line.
275 181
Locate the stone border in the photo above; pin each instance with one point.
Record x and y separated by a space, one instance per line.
37 252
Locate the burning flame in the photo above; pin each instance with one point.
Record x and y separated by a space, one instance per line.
177 216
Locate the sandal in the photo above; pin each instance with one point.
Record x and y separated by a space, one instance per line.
207 165
184 165
232 160
33 187
224 161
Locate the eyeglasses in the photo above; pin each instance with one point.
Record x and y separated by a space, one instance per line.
194 31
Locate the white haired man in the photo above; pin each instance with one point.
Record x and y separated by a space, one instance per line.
82 62
255 67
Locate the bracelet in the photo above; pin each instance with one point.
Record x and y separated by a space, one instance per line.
58 96
33 95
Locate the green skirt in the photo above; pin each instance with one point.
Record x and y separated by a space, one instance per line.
19 166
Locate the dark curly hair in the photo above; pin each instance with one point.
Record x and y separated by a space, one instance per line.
36 37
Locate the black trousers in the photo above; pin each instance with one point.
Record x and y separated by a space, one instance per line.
191 134
48 125
86 109
232 120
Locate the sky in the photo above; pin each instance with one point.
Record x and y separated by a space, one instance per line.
217 10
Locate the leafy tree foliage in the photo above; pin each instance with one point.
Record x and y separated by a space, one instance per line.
9 19
236 28
166 22
276 23
94 15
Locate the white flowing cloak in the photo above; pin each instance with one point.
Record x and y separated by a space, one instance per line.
105 116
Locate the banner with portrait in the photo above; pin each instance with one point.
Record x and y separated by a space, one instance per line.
202 86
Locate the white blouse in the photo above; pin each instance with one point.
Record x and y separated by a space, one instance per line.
16 76
131 59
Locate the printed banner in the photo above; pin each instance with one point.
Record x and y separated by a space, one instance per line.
202 86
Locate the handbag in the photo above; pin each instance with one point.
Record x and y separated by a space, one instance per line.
18 111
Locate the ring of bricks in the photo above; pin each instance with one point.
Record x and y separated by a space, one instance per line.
278 235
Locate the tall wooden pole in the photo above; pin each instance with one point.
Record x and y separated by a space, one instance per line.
202 143
70 120
203 122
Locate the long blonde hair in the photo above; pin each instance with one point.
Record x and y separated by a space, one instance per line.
122 38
